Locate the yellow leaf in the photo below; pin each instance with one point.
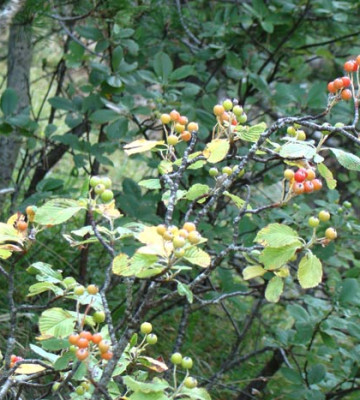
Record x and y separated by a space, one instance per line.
120 264
109 211
43 337
141 145
153 364
154 243
28 369
216 150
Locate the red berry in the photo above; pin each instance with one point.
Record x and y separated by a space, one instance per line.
107 356
350 66
96 338
298 187
81 354
346 94
82 343
308 187
86 335
310 174
346 81
331 87
300 175
73 338
338 83
234 122
317 184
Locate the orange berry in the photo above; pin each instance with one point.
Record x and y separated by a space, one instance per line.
358 60
218 110
82 354
96 338
298 188
189 226
104 346
346 81
192 127
174 115
92 289
310 174
82 343
308 187
317 184
107 356
349 66
183 120
224 116
346 94
185 136
21 226
86 334
331 87
338 83
194 237
73 338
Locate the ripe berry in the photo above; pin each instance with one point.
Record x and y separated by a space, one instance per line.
237 110
346 94
298 188
308 187
324 216
185 136
218 109
165 118
104 346
227 104
183 233
107 195
92 289
107 356
187 363
349 66
99 188
358 60
174 115
82 354
338 83
99 317
194 237
94 181
224 116
310 174
331 88
234 122
21 226
192 127
145 328
161 229
178 242
289 174
172 140
152 338
189 226
179 127
190 382
96 338
330 234
213 172
176 358
317 184
300 175
346 81
227 170
79 290
183 120
82 343
313 222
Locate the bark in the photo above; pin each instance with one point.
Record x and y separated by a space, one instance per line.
18 66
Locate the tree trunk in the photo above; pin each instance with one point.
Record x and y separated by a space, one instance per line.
18 67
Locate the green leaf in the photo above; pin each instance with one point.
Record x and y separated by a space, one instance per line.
44 271
44 354
120 265
310 271
196 191
216 150
347 160
236 199
157 385
103 116
117 56
195 393
182 72
297 150
277 235
162 65
61 103
150 183
274 289
41 287
196 256
316 374
252 133
148 396
57 211
350 292
253 271
327 175
184 290
63 361
56 322
140 265
9 101
276 257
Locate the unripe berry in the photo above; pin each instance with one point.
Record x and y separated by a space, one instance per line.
313 222
227 170
301 135
145 328
99 317
172 140
104 346
237 110
330 233
94 181
107 195
178 253
289 174
55 386
80 390
324 216
99 188
194 237
189 226
152 338
242 118
79 290
183 233
168 235
178 242
106 181
187 363
179 127
213 172
192 127
347 204
291 131
176 358
165 118
190 382
227 104
161 229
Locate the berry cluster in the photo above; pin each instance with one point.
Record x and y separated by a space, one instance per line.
180 127
295 132
79 290
230 112
323 216
101 187
14 359
146 329
186 363
303 180
180 237
85 342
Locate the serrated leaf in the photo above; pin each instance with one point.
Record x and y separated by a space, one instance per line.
155 242
216 150
236 199
63 361
157 385
41 287
196 256
56 322
347 160
57 211
277 235
327 175
316 374
120 264
297 150
195 393
310 271
150 183
253 271
250 134
197 191
141 146
276 257
184 290
29 369
44 354
274 289
9 233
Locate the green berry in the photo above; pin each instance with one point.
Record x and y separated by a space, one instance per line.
190 382
86 385
187 363
227 104
79 290
178 253
172 140
324 125
99 317
80 390
291 131
242 118
324 216
152 338
237 110
313 222
55 386
176 358
301 135
94 180
145 328
107 195
213 172
227 170
106 181
347 204
297 126
99 188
